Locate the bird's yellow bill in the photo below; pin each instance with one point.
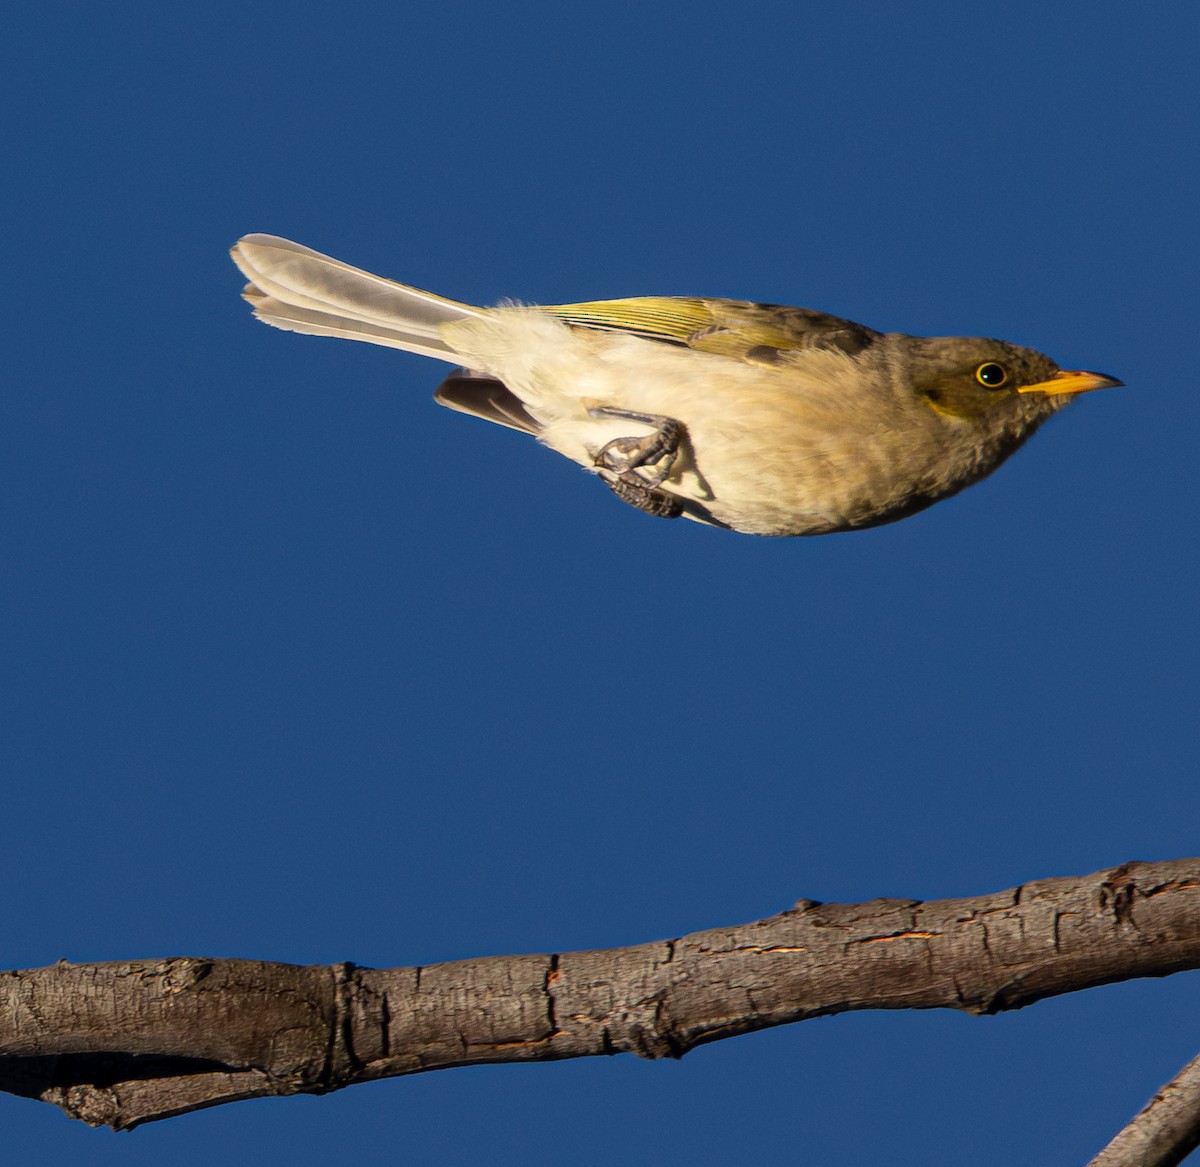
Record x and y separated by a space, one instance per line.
1066 381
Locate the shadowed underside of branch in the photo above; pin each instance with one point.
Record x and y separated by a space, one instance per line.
127 1042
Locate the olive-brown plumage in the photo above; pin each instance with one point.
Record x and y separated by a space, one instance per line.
760 418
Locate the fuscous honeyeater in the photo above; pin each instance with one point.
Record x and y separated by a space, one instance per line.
755 417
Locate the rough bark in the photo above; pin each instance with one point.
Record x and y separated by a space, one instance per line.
1165 1131
128 1042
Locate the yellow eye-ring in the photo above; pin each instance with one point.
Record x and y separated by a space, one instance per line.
991 375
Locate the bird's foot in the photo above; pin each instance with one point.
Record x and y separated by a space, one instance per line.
638 466
653 455
629 488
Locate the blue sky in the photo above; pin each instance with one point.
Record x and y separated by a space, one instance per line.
300 666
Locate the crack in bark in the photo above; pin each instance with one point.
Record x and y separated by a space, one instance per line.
331 1071
552 976
762 949
666 1043
889 936
1171 885
385 1022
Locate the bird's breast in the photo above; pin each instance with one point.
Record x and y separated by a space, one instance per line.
815 444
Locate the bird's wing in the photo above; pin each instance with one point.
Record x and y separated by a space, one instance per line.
482 396
762 333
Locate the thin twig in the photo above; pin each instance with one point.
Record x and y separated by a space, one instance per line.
1166 1131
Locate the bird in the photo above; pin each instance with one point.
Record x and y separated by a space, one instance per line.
757 418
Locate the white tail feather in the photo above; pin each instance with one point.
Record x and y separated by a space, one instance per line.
301 290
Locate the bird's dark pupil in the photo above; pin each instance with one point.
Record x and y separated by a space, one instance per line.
991 374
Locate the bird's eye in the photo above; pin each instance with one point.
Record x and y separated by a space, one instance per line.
991 375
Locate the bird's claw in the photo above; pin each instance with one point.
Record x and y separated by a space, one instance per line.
629 488
653 455
636 467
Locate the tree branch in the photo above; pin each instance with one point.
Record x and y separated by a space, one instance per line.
1166 1130
128 1042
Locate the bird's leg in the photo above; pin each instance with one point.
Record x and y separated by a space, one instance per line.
639 465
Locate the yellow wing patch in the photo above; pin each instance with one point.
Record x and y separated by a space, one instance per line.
669 318
759 333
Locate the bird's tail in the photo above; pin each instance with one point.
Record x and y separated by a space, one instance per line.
301 290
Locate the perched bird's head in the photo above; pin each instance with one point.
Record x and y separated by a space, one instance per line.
991 382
